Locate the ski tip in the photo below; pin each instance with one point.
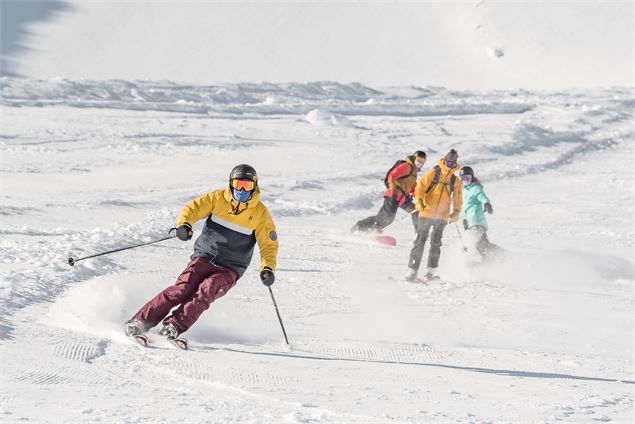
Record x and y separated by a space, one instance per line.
141 339
180 343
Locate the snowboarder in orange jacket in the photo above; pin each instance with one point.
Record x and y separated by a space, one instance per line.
400 182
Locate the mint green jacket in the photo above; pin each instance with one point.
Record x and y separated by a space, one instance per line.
473 200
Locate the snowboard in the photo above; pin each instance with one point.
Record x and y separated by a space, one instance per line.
385 240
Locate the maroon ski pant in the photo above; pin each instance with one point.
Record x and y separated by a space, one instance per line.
195 289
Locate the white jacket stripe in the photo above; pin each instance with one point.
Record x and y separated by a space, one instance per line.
231 225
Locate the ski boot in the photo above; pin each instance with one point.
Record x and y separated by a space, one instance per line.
171 333
135 330
412 276
430 275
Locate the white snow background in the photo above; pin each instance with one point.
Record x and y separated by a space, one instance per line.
89 165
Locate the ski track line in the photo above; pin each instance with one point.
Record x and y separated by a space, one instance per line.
80 351
397 354
61 375
7 399
190 366
245 379
168 365
593 405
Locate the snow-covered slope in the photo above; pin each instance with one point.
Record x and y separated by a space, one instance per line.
91 166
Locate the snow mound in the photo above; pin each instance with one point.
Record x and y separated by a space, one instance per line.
495 53
321 118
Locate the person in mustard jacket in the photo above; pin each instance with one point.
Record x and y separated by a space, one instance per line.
235 220
400 182
438 199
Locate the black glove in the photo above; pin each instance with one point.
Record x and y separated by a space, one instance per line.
409 198
409 207
487 207
267 277
465 224
184 232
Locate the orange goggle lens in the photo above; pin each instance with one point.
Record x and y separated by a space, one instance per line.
420 159
243 184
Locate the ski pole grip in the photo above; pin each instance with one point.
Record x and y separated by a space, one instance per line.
71 261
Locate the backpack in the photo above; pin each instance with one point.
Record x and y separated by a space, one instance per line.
435 180
399 162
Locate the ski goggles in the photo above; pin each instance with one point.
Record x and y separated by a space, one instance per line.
247 185
466 179
450 163
420 159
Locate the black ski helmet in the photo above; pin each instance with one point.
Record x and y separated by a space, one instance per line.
244 172
420 153
466 170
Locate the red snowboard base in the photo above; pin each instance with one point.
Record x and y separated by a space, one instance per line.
387 240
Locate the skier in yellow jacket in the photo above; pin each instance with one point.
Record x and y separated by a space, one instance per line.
235 221
438 199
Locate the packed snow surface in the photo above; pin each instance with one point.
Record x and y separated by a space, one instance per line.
546 336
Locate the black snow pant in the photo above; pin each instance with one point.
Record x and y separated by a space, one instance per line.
423 228
386 215
478 236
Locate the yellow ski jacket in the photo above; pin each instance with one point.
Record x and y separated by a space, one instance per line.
436 203
232 229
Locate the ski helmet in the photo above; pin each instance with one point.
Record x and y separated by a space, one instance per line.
419 153
466 170
244 172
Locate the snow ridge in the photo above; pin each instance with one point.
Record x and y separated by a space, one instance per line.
257 99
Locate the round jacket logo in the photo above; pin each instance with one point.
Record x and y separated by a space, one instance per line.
273 236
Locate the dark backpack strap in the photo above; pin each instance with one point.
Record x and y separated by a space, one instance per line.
435 180
396 164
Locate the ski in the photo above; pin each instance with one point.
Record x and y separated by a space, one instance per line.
423 280
180 343
140 339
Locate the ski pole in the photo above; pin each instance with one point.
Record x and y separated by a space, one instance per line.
460 237
278 313
72 261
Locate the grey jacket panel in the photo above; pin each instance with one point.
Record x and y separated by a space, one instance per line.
224 246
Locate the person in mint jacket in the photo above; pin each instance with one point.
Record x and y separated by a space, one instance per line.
475 204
